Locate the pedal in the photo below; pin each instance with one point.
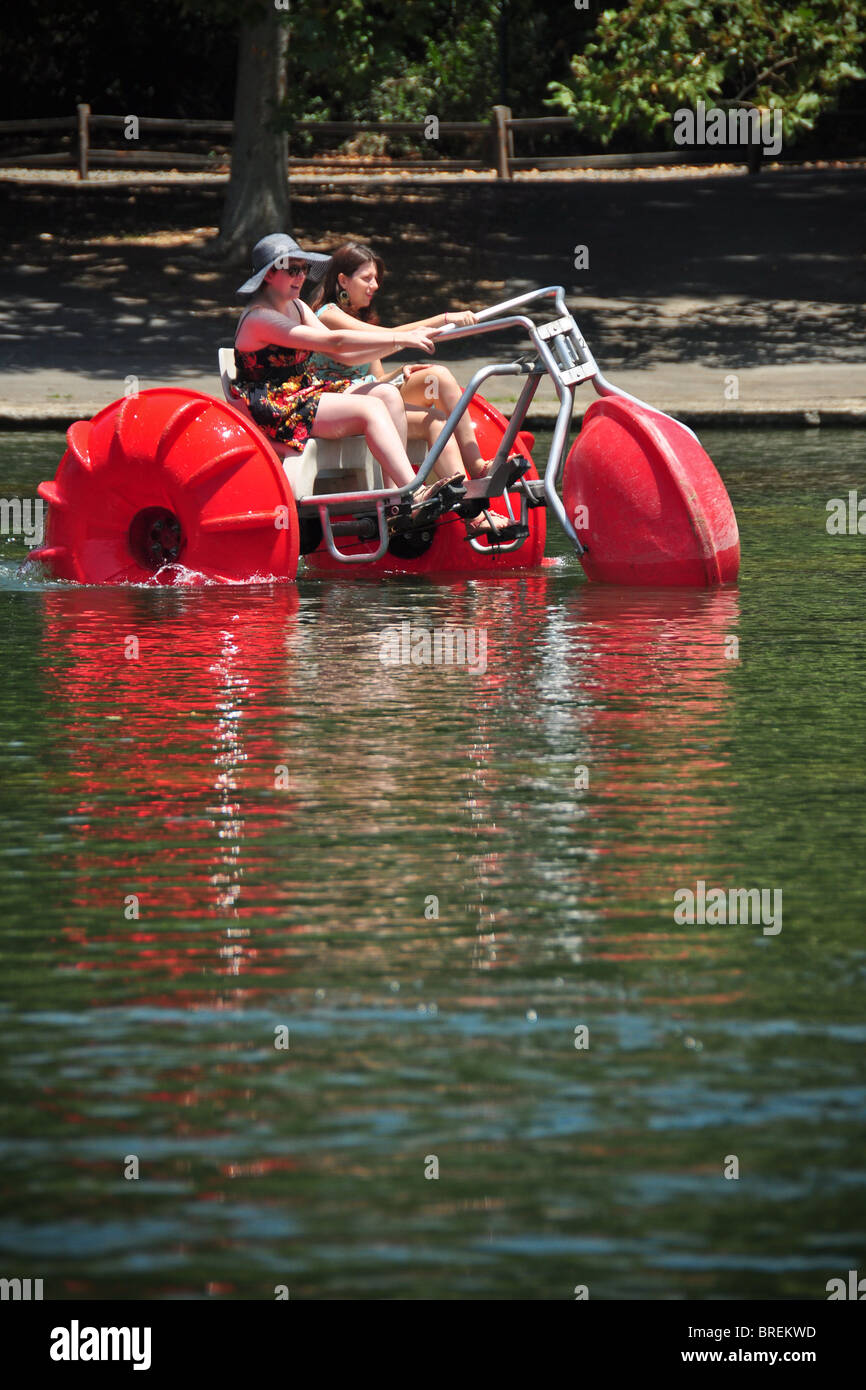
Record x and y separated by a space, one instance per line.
519 466
451 495
498 481
398 515
501 477
533 490
402 519
504 534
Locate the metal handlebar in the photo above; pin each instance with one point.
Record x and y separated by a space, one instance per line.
455 331
561 353
550 291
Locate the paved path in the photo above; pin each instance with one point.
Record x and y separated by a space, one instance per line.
720 300
826 393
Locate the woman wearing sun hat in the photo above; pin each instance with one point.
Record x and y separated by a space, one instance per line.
277 333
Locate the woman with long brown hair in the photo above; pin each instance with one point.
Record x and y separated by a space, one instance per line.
429 390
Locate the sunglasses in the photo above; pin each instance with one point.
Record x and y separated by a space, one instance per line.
294 267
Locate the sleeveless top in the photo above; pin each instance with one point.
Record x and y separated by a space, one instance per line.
281 393
326 368
270 364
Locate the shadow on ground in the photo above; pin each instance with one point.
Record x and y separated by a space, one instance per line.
755 271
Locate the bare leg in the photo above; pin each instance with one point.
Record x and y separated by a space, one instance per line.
435 389
427 423
392 399
354 412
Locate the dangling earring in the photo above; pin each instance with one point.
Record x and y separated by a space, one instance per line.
343 297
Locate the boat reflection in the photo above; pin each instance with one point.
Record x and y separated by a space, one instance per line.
170 711
245 759
627 695
656 668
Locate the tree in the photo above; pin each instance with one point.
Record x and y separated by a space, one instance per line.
359 60
257 198
649 59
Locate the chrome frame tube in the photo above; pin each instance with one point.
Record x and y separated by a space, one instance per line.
555 462
558 354
474 330
546 293
396 493
518 415
384 538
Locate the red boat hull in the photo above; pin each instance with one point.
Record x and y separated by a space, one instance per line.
450 551
647 501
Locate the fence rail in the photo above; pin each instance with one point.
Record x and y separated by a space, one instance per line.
499 131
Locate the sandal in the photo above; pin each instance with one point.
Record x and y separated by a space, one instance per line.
487 465
497 535
487 524
430 490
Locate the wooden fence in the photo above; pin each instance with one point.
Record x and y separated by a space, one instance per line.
214 141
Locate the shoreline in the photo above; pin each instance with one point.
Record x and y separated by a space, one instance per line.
21 419
725 300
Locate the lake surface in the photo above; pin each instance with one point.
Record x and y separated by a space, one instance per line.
424 880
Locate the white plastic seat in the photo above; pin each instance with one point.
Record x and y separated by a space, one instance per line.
324 465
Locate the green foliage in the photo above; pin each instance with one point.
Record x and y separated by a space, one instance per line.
649 59
158 59
636 63
357 61
395 61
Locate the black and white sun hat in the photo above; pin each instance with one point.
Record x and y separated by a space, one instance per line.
276 248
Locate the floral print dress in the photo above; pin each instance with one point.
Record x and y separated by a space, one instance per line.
281 397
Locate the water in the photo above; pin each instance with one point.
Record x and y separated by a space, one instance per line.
253 827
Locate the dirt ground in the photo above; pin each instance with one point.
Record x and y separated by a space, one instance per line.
765 270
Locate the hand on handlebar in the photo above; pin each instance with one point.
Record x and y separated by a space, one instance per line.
419 338
463 318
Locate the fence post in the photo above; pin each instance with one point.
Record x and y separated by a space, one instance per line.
83 138
501 114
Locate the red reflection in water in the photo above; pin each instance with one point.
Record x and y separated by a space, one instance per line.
172 714
657 670
169 756
635 685
655 667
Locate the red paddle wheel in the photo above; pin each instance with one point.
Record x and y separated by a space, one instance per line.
166 483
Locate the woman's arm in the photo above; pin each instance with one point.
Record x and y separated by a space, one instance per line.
379 371
264 326
462 319
334 317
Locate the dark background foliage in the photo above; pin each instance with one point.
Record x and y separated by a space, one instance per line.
351 60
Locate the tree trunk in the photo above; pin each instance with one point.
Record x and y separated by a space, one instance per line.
257 198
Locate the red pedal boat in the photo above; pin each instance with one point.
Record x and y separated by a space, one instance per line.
175 486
